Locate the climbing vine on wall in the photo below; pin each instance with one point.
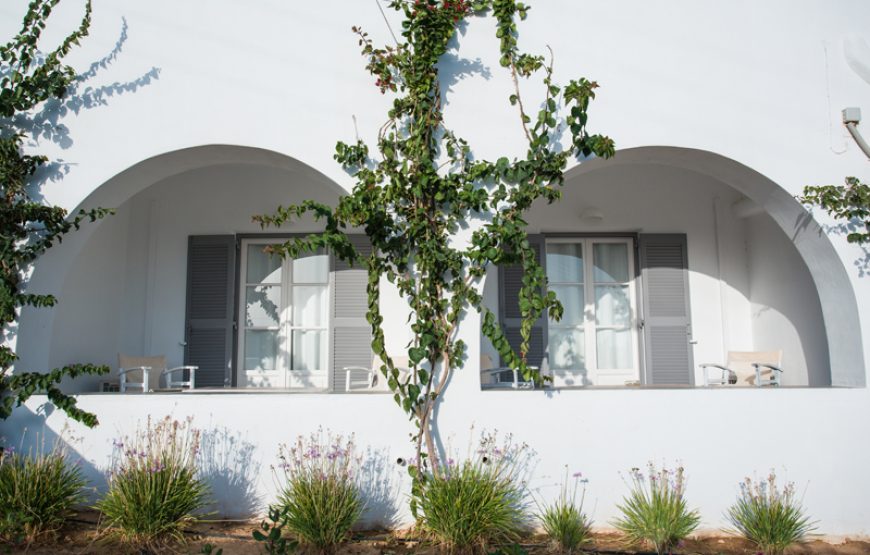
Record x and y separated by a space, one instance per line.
849 203
412 197
29 227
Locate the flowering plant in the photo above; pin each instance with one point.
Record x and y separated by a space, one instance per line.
564 521
38 492
479 500
319 500
770 517
154 490
655 510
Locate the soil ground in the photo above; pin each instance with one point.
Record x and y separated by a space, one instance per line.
234 538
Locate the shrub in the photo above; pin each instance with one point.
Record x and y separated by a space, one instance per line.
477 502
319 500
655 510
564 521
769 517
37 493
153 488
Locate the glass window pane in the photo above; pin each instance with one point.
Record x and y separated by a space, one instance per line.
311 268
565 262
262 267
309 350
612 305
567 349
573 302
309 305
261 350
611 262
262 305
614 349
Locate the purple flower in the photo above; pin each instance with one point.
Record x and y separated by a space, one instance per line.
117 443
577 474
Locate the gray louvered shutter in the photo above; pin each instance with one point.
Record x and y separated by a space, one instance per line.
350 332
510 282
211 267
667 318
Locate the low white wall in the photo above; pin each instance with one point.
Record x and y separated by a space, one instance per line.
720 436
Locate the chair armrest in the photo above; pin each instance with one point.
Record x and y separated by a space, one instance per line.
773 367
177 368
348 369
725 372
711 365
190 383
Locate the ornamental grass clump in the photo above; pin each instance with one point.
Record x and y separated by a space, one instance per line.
564 522
770 517
478 502
319 499
655 511
38 492
154 491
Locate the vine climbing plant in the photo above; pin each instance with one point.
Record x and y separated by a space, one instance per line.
423 184
29 227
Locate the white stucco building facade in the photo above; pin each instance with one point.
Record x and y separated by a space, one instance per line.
192 117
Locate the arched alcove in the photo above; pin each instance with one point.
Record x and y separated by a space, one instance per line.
762 274
121 281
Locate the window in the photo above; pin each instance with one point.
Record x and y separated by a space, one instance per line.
284 317
596 341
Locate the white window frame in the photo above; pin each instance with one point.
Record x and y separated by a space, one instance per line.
283 376
600 376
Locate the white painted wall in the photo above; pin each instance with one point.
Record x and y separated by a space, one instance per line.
286 77
785 306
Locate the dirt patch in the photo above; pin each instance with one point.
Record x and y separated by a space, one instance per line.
234 538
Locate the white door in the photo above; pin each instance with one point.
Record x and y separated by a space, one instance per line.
596 341
283 338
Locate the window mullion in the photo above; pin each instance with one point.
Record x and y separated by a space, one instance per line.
286 319
590 331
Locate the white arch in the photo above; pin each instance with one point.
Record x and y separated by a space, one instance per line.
837 297
52 269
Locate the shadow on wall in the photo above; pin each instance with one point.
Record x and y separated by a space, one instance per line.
380 485
32 434
47 122
225 466
862 263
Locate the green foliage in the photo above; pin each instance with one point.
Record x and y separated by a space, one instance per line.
154 491
28 227
319 500
655 510
769 517
271 535
38 492
477 502
414 197
564 521
849 202
209 549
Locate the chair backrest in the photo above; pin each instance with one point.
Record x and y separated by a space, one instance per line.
485 362
740 362
157 364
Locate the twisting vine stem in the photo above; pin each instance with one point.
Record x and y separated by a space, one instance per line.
411 200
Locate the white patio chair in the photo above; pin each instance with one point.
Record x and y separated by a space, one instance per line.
502 377
360 378
144 373
746 368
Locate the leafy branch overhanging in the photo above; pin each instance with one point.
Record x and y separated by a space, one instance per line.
412 199
29 227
